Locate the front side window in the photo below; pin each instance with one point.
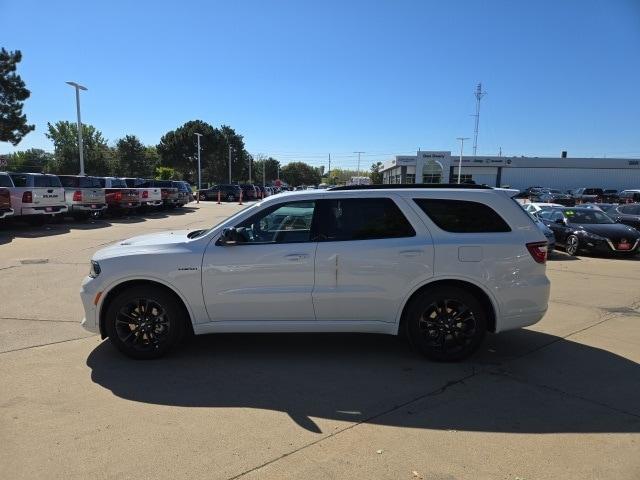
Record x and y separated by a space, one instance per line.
362 219
461 216
283 223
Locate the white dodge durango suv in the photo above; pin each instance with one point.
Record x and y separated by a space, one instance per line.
440 264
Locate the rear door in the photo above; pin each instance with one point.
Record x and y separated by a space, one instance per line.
371 251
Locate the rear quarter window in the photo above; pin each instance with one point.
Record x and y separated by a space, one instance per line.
462 216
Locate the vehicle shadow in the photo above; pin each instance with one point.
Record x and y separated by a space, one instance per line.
557 256
378 379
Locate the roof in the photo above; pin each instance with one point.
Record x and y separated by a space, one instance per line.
402 186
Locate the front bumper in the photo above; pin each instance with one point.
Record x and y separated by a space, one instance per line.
88 292
606 246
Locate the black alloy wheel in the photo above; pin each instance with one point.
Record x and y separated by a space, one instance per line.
144 322
446 324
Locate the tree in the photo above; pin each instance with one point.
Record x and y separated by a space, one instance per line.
270 167
98 158
165 173
376 174
178 149
339 176
13 93
135 160
299 173
32 160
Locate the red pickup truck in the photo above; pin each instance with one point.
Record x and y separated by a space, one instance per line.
120 199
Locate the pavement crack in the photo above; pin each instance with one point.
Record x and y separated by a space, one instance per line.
46 344
39 320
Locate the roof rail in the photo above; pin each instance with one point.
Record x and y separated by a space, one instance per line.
393 186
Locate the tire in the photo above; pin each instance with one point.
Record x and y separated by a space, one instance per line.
157 334
571 245
432 329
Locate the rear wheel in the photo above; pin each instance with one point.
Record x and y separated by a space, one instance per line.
446 323
144 322
571 245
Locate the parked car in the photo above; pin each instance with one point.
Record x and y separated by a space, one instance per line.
5 195
120 198
549 195
629 196
444 265
586 195
599 206
628 213
229 193
262 193
83 195
5 203
149 197
187 187
36 197
249 191
183 193
610 196
546 231
589 229
537 207
168 192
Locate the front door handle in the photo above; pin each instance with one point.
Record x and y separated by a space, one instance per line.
411 253
296 257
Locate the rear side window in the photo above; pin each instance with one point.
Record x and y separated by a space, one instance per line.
19 180
461 216
46 181
5 181
362 219
70 182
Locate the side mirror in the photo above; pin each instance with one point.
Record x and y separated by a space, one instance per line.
229 237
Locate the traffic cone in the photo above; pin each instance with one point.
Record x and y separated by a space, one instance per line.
218 197
240 202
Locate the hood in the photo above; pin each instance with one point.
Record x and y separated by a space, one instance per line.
144 244
608 230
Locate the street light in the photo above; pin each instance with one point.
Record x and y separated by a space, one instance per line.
79 87
198 135
462 139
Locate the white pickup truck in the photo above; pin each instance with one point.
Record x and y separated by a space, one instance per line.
84 196
36 197
148 196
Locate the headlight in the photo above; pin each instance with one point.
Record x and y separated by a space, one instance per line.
94 270
590 235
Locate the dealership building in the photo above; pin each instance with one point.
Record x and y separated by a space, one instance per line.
517 172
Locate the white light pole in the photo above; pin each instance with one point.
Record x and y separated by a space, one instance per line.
462 139
198 135
79 87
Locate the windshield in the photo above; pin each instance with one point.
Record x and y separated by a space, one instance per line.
587 217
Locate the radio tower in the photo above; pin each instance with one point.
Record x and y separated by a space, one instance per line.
479 94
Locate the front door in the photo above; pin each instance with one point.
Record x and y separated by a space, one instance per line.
369 256
268 274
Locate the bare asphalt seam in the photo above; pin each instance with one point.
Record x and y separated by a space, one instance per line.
46 344
39 320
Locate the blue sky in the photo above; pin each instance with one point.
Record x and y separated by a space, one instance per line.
300 79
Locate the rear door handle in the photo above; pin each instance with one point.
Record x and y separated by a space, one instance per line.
411 253
296 257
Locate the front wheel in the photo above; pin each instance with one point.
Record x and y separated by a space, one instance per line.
144 322
446 324
571 245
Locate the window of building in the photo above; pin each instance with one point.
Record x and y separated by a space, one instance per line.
466 178
283 223
362 219
411 178
460 216
432 172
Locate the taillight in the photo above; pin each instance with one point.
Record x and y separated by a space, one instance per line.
117 196
538 251
27 197
145 194
77 196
